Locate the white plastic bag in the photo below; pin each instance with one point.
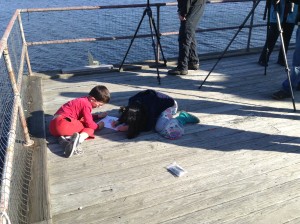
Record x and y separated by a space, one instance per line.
176 170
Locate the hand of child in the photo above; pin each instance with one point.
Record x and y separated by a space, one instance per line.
100 125
101 115
122 128
114 123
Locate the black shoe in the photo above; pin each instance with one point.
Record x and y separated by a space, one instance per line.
262 63
193 66
281 63
280 95
177 71
62 141
72 145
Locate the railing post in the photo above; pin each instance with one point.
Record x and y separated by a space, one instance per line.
25 44
28 141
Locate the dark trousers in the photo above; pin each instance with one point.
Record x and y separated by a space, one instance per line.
273 35
187 37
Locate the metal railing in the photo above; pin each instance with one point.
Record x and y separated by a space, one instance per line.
15 140
15 153
113 28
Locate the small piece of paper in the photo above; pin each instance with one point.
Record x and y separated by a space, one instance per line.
107 122
176 170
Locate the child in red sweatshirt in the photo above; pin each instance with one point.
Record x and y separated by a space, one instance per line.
75 119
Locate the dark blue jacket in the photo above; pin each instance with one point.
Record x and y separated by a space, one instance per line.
154 103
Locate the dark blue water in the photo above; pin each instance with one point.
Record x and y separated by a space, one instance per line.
120 22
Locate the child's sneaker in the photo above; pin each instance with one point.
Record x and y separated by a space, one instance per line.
78 150
62 140
72 145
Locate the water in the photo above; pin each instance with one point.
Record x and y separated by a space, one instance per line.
8 7
95 23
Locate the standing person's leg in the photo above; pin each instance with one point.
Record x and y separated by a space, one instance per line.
182 66
195 16
288 29
186 39
295 74
270 43
193 63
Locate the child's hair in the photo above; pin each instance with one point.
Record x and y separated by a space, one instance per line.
100 93
135 117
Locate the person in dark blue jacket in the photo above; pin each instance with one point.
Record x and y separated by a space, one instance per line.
189 12
148 110
288 13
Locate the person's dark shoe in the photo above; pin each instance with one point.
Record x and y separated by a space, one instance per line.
72 145
192 66
63 141
281 63
262 63
280 95
177 71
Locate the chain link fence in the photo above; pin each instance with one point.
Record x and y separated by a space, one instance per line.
15 153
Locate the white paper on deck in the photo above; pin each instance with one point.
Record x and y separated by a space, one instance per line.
107 122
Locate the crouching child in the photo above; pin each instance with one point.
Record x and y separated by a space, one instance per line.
149 110
74 122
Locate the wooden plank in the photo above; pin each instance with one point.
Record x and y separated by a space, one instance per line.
247 204
39 194
186 196
133 173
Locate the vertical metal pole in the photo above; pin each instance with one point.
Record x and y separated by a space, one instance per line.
158 31
25 44
28 141
251 27
284 54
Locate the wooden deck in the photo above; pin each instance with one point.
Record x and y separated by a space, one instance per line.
242 160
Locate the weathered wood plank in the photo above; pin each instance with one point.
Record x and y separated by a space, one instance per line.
39 193
186 195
